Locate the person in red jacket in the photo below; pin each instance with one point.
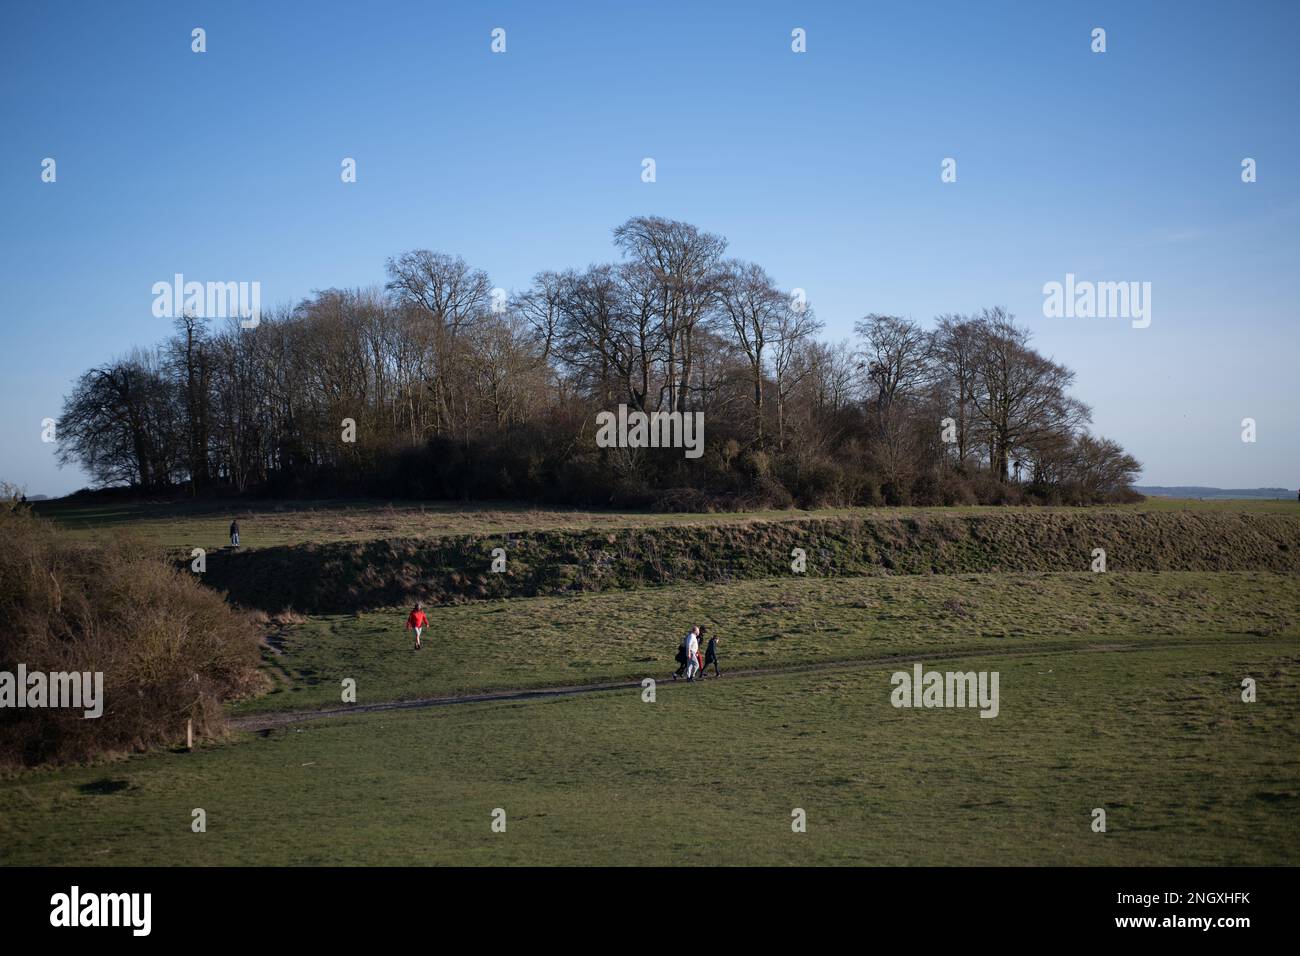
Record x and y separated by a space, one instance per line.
417 622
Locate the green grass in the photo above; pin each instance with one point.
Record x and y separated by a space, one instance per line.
594 637
180 526
709 774
1118 690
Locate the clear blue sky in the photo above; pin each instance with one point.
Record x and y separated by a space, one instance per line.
823 166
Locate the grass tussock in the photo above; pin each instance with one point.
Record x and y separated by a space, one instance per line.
277 619
170 650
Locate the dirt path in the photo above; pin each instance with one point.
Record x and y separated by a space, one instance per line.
262 722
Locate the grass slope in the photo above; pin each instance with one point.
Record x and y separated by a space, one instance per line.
589 638
1187 773
381 573
179 526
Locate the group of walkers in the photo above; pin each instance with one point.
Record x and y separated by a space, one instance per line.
689 656
691 660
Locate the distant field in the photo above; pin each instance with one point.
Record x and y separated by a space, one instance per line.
709 774
589 638
183 526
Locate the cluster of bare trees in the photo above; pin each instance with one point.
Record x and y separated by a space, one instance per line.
438 384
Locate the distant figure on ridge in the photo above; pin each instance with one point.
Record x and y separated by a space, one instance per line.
234 533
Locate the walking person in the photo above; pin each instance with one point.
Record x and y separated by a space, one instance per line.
683 655
692 653
234 533
417 621
710 655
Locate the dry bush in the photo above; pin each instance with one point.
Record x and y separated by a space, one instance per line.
169 648
691 500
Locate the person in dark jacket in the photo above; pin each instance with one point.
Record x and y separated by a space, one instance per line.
234 533
710 654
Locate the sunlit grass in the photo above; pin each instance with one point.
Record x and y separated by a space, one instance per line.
179 527
595 637
709 774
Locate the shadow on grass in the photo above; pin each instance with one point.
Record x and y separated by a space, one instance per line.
99 788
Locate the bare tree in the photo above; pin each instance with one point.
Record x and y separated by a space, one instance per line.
119 423
895 357
540 308
953 350
683 261
449 397
795 327
189 362
753 307
455 297
1020 394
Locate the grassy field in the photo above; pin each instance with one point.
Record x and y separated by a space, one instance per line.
1118 690
710 774
181 526
590 638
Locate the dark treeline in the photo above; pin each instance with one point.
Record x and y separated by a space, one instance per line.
459 391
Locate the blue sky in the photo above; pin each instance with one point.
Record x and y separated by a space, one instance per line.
822 166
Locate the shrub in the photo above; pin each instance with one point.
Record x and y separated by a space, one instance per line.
991 491
895 493
169 648
869 493
756 464
926 490
765 494
685 500
817 483
957 490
